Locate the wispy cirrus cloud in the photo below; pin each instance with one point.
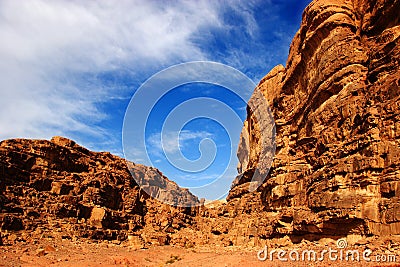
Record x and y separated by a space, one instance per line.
54 54
173 142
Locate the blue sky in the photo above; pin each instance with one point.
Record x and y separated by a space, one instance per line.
71 67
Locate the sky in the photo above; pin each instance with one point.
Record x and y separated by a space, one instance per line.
71 68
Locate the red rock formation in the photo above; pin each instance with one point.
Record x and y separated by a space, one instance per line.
336 107
65 190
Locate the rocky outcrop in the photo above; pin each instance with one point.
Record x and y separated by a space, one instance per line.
58 188
336 171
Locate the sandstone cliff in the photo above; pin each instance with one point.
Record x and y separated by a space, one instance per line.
336 171
59 189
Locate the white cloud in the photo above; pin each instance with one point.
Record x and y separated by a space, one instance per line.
198 177
173 142
52 51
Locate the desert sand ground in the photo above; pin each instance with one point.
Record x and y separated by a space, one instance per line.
82 253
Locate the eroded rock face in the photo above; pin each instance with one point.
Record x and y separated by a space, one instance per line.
60 187
336 106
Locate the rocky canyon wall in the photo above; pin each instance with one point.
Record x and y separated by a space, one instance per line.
58 189
336 106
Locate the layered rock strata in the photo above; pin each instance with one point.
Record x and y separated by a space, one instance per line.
59 188
336 171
